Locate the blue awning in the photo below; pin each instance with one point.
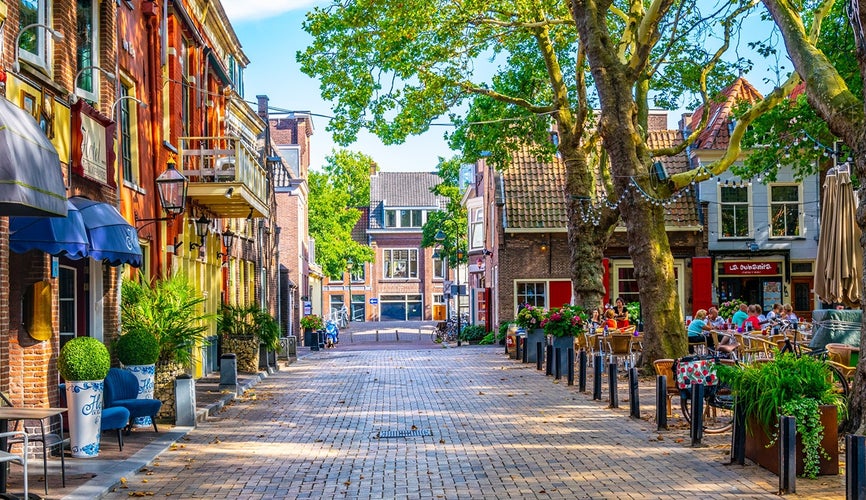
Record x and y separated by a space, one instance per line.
112 239
31 179
53 235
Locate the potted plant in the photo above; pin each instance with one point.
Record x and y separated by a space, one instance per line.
171 309
563 324
789 385
138 352
237 326
269 332
312 323
83 363
529 318
729 307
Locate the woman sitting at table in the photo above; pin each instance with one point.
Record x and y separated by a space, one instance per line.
620 313
609 322
697 328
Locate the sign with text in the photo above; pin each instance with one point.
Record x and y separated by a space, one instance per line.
751 267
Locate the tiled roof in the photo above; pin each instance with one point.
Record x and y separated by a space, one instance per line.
402 190
534 191
359 232
715 135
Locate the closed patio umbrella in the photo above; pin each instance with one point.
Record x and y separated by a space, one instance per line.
838 268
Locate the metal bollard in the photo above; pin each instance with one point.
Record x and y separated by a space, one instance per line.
548 368
569 369
229 372
738 439
787 455
633 396
557 363
184 397
596 377
661 402
611 384
855 467
525 349
581 371
538 357
697 431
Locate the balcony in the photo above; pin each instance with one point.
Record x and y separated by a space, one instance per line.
225 176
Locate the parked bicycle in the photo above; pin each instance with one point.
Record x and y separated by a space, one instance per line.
718 401
446 331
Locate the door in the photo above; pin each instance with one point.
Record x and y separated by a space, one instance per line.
802 298
67 284
560 293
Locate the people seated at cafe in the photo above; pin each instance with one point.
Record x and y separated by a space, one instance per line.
788 314
609 320
752 323
774 313
760 313
697 327
620 313
714 320
740 316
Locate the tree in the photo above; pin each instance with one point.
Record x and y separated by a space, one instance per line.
334 194
835 102
452 221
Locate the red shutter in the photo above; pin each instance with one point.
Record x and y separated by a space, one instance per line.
605 264
560 293
702 283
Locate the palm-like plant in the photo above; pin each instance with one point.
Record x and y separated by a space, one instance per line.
171 309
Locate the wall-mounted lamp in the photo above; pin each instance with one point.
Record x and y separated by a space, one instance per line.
486 252
544 247
201 225
228 241
141 103
55 35
229 192
73 97
250 216
171 186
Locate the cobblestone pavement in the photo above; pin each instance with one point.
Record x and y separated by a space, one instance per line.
496 429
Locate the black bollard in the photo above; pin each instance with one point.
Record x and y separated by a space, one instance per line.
581 371
855 467
662 402
557 363
548 368
611 385
569 369
633 397
697 431
596 377
525 350
787 455
738 437
539 359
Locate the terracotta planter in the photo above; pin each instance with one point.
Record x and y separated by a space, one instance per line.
768 458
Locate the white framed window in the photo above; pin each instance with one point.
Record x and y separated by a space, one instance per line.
357 274
533 293
292 156
405 217
33 43
438 299
733 212
476 228
625 282
785 216
87 49
438 268
400 263
127 143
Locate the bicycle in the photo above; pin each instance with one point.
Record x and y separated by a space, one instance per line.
718 401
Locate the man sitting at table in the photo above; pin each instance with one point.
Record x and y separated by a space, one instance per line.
715 321
740 316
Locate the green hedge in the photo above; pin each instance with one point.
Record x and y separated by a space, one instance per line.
83 358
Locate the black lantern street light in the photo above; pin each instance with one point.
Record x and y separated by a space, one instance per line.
228 241
201 225
440 237
172 187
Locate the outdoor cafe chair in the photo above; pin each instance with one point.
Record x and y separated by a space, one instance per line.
619 346
9 457
666 367
49 441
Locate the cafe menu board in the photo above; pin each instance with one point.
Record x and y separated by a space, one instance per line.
772 294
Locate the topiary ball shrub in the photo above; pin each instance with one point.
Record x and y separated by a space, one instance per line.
83 358
138 347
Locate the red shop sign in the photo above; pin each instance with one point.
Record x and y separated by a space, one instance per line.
750 267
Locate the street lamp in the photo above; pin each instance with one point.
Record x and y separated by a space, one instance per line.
171 186
349 266
457 279
73 97
228 241
55 35
201 225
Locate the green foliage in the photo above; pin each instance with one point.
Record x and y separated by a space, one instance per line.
452 221
728 308
633 309
312 322
530 317
269 330
83 358
763 388
251 320
566 320
807 413
172 310
137 347
488 339
473 333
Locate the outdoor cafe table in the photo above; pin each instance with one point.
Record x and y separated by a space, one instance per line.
8 413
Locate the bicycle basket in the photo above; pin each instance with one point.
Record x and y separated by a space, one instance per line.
695 370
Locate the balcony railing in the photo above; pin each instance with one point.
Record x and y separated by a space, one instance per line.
215 164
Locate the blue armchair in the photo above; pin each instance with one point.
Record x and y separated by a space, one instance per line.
121 389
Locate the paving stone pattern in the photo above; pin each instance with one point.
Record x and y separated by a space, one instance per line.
500 429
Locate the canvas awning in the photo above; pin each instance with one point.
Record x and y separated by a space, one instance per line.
838 267
31 179
111 237
53 235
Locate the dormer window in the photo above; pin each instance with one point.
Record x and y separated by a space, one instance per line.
405 218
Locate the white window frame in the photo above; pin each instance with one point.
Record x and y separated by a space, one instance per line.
518 303
130 107
438 266
679 272
398 224
476 228
73 300
747 204
799 209
40 57
295 166
95 74
388 258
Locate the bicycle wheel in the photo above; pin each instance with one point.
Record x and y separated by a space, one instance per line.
840 382
718 412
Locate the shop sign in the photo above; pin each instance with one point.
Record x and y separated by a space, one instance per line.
751 267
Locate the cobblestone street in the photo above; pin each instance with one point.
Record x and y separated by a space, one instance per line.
487 427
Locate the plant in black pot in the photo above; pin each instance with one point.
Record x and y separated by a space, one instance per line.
83 363
138 351
802 387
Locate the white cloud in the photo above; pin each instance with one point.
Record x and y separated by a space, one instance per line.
247 10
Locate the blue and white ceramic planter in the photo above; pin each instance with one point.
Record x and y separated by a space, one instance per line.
145 375
84 399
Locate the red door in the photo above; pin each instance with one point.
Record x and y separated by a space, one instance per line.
560 293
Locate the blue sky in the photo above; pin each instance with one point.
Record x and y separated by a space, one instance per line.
270 32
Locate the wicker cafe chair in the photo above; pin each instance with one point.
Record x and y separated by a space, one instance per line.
666 367
619 345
